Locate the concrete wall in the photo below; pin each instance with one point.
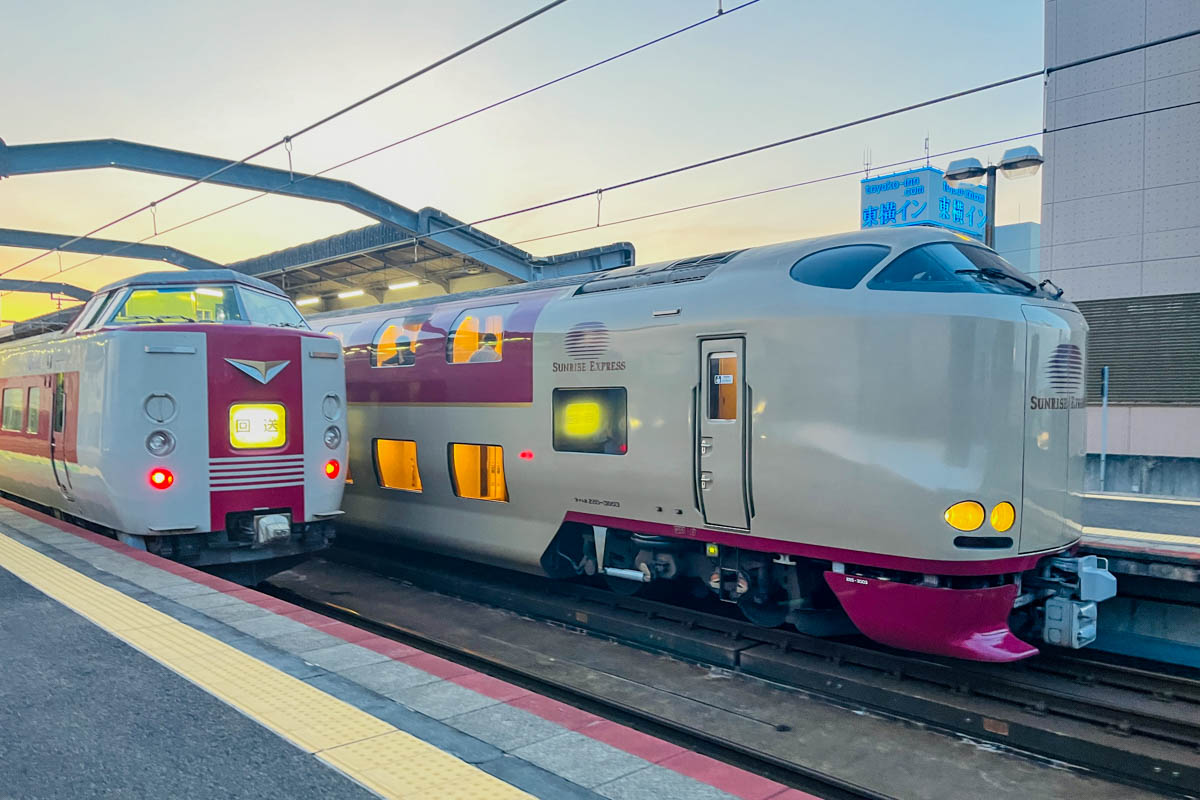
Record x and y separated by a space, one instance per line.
1147 430
1119 213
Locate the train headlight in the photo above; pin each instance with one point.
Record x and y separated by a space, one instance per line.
333 436
160 443
1003 516
965 516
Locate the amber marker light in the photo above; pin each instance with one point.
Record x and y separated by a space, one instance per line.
1003 516
161 478
332 468
965 516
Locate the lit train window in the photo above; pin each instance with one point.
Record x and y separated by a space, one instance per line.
398 340
478 471
13 416
477 335
839 267
396 464
591 421
35 407
723 386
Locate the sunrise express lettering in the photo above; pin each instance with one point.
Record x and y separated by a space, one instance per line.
1056 403
588 366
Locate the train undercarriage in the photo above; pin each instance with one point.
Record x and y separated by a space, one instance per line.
989 617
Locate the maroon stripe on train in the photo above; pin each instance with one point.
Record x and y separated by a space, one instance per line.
431 379
228 385
992 566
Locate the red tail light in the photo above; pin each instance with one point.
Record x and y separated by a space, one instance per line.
332 468
161 478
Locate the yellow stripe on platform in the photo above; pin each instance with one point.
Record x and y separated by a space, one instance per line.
366 749
1166 538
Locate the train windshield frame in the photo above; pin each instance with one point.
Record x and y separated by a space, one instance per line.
221 304
954 267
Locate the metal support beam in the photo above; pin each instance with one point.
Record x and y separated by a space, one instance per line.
44 287
103 247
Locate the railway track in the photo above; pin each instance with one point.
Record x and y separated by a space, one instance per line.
1121 721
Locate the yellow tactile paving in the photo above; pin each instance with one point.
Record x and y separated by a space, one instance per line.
1166 538
373 753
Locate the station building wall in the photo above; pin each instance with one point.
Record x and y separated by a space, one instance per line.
1121 212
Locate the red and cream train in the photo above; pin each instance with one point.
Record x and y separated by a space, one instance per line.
885 427
192 414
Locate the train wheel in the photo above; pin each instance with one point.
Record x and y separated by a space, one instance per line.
770 613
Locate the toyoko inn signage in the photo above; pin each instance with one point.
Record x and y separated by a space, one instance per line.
921 195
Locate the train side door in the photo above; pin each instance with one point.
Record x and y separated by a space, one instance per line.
58 434
721 448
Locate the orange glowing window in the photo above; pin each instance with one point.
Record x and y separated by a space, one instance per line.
478 472
723 386
477 336
398 341
396 464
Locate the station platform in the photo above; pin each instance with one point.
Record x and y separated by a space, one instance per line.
130 675
1153 547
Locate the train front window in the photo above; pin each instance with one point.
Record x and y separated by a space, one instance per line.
954 267
220 304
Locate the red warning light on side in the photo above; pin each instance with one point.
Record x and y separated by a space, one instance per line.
161 478
526 455
332 468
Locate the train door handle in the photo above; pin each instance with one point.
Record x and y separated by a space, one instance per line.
705 445
706 478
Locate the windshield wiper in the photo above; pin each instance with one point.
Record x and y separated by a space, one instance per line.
285 325
994 273
1058 290
176 316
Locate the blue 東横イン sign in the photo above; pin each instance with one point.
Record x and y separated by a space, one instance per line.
922 196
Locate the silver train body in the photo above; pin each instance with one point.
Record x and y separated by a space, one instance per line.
126 421
885 427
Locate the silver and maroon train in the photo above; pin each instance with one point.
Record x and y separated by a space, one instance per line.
192 414
885 426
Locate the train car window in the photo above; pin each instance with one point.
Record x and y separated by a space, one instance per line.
477 471
953 267
477 336
591 421
35 408
12 417
396 464
839 267
723 386
398 341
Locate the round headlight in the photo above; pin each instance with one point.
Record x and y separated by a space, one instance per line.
965 516
331 407
1003 516
333 436
160 443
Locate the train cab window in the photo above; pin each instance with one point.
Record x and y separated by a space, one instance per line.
398 341
396 464
477 336
268 309
478 471
723 386
35 408
178 304
839 267
12 417
953 267
591 421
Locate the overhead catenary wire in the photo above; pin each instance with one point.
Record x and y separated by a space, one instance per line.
286 140
432 129
792 139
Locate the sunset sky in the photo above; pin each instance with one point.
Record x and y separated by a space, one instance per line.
225 77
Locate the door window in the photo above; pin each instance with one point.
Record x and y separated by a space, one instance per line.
35 396
723 386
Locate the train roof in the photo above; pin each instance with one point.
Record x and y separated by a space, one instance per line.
192 277
688 269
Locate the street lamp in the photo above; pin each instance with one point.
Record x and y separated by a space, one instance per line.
1019 162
